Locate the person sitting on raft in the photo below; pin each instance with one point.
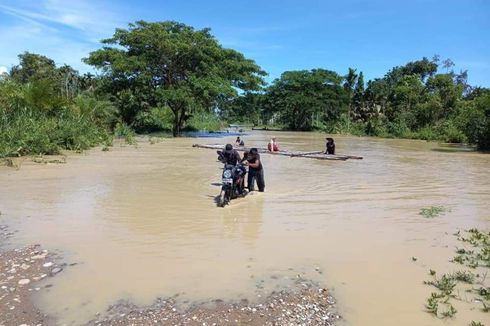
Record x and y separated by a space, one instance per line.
273 146
330 146
239 142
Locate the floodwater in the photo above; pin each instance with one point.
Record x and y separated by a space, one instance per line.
141 223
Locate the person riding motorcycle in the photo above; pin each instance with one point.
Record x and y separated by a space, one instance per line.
232 157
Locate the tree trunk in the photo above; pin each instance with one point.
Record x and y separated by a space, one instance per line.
176 128
182 118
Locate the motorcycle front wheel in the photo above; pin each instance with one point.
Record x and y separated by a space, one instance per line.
228 195
224 197
221 199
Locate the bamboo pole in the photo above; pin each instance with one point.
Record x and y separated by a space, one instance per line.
319 155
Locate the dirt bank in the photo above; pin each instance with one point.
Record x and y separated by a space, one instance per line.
22 269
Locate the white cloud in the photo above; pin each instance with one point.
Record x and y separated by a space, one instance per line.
35 39
65 31
3 70
90 17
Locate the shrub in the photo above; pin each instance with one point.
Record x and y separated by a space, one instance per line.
204 121
448 132
27 133
122 130
344 125
33 120
157 119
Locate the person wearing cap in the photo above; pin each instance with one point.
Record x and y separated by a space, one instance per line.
255 170
231 155
330 146
273 146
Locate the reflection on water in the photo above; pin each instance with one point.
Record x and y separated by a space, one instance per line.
142 222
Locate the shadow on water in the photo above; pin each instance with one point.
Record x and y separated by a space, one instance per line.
454 148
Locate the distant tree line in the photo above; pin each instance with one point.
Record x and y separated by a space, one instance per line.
424 99
167 76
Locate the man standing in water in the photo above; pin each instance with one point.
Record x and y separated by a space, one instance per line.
255 170
330 146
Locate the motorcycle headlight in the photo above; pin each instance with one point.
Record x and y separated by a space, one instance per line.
227 174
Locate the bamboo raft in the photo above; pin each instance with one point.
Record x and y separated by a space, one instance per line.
319 155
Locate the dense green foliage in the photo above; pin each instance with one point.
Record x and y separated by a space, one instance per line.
167 76
303 100
42 110
171 65
412 101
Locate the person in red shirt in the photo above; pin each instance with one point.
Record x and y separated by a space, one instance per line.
273 146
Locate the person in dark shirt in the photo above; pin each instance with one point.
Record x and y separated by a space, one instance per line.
239 142
230 155
330 146
255 170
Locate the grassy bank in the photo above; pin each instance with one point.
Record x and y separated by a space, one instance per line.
34 119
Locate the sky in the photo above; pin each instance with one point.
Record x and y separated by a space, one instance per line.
372 36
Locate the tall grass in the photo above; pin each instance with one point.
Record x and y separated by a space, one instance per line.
34 120
124 131
27 133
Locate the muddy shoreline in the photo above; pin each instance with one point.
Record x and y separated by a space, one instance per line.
23 269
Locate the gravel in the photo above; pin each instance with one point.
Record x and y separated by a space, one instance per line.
22 269
307 304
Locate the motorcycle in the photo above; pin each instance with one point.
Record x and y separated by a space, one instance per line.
232 181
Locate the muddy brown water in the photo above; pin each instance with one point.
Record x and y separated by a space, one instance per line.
141 222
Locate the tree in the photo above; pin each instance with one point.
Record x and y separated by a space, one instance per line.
350 81
358 97
33 67
422 68
68 79
404 99
171 64
42 71
447 64
448 91
244 108
302 97
474 118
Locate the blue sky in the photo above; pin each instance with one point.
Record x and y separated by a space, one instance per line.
372 36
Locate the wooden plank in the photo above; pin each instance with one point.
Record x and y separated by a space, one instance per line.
307 153
266 129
